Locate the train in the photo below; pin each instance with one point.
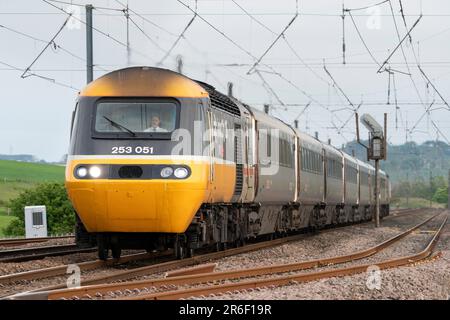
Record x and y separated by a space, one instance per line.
160 161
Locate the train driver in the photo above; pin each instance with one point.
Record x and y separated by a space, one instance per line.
155 125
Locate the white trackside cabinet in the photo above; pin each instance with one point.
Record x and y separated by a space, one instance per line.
35 222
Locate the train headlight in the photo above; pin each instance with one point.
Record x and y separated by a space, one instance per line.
95 172
166 172
82 172
181 173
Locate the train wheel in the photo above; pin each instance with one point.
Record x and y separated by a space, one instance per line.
102 252
102 246
180 253
221 246
116 251
179 249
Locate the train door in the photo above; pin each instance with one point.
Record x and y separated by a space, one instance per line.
358 184
297 166
248 158
324 165
211 145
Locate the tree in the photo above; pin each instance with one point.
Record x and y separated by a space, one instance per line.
441 195
60 213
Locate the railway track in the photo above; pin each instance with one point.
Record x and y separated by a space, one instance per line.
90 265
33 253
193 278
84 266
284 280
20 242
214 288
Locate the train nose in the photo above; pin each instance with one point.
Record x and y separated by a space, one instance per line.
136 196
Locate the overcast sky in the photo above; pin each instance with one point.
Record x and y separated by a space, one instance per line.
35 113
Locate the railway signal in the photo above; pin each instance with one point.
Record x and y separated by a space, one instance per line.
375 151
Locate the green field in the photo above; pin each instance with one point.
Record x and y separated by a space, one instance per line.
16 177
30 172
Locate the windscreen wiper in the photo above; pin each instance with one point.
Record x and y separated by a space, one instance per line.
118 125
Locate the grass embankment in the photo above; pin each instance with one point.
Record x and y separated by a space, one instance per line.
414 203
16 177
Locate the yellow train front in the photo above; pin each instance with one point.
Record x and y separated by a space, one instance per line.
139 165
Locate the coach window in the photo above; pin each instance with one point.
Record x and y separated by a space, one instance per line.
302 155
308 160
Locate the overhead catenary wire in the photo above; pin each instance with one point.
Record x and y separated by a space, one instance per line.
303 92
389 87
253 18
303 111
403 18
368 7
126 11
361 37
399 38
24 74
337 86
272 44
269 88
427 110
434 87
312 14
58 46
290 46
403 52
296 54
146 35
397 108
107 35
268 67
181 36
343 33
147 20
83 5
438 131
399 44
59 83
349 118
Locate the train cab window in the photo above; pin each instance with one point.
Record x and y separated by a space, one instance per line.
136 118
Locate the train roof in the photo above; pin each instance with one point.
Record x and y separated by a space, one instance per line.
144 81
329 149
272 121
365 165
311 142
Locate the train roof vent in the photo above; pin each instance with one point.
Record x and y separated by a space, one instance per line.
219 100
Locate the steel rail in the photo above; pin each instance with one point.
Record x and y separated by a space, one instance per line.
87 265
199 278
33 253
17 242
297 278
